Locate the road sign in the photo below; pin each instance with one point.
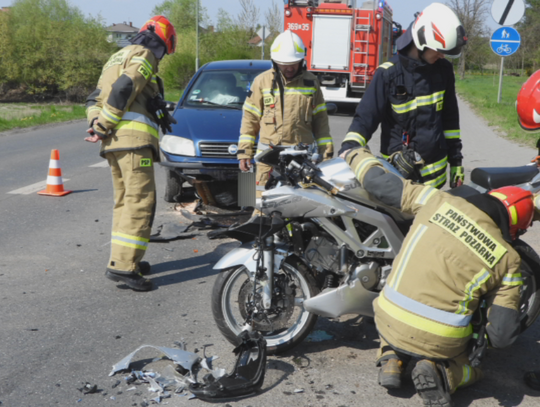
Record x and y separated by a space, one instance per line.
505 41
507 12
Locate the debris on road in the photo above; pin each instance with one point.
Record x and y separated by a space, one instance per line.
319 336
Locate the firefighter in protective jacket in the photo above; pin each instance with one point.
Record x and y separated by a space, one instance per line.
285 106
413 97
122 115
456 256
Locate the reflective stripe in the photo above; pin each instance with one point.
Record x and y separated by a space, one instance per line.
93 109
418 102
474 285
268 91
361 167
452 134
253 109
130 241
512 279
154 79
247 138
139 117
144 62
514 214
351 136
323 141
110 116
423 197
386 65
421 323
466 376
300 91
435 167
435 183
406 255
320 108
423 310
136 126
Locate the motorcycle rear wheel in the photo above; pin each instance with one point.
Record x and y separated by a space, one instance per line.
232 297
529 306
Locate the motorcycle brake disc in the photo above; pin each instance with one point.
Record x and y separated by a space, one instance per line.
273 319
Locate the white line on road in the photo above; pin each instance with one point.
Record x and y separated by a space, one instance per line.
30 189
101 164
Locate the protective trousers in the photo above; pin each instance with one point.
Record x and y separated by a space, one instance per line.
458 371
134 206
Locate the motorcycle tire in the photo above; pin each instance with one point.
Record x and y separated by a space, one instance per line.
232 294
529 306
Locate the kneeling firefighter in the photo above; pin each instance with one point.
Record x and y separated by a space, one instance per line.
285 106
125 113
457 255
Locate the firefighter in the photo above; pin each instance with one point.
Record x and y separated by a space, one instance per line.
457 255
528 109
124 114
285 106
413 97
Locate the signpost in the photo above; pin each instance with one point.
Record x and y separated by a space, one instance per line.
506 40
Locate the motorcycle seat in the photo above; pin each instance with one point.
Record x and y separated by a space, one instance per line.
497 177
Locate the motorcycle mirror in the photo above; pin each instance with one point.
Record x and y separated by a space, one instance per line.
331 108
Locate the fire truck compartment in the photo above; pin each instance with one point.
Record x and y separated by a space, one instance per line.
332 34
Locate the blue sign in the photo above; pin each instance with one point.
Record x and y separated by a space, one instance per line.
505 41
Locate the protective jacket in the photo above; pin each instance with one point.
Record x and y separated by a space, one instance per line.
415 103
119 103
299 116
454 256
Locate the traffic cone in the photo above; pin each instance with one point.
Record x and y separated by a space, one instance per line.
55 185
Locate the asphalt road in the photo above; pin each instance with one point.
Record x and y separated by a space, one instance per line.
63 324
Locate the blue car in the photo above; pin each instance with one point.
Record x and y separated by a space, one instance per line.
204 143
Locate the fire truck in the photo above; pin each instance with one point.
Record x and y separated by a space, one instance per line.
346 40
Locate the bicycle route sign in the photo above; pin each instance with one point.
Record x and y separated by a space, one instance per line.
505 41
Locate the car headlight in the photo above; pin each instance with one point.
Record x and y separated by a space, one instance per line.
177 145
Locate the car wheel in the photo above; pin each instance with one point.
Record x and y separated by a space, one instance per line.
173 186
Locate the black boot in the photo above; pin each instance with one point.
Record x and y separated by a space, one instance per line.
133 280
431 384
390 373
532 379
145 268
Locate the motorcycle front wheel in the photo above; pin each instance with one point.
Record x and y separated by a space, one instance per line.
284 325
529 305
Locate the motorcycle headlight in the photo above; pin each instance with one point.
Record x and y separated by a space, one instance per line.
177 145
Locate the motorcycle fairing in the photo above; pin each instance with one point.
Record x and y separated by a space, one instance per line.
246 255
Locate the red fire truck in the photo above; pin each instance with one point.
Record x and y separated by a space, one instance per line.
346 41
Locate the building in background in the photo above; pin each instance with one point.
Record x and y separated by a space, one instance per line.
121 33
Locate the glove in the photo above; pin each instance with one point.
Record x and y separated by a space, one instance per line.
348 145
158 107
480 343
407 162
457 176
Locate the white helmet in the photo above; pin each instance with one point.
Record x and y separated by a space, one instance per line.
287 48
439 29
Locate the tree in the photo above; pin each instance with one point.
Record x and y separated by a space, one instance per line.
472 14
182 13
249 16
273 16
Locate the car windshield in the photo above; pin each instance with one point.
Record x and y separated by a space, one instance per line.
221 88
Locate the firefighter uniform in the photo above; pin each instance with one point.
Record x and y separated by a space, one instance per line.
297 116
416 105
454 256
118 110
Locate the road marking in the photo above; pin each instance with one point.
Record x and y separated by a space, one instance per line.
30 189
101 164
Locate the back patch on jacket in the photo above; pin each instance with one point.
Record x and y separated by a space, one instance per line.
117 59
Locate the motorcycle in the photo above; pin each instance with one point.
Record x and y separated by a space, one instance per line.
325 248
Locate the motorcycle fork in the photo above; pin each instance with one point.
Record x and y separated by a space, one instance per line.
267 282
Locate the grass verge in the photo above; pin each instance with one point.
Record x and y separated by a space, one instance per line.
482 91
16 115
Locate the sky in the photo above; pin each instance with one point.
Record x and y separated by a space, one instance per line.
138 11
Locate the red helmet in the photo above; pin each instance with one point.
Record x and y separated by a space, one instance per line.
520 206
528 103
164 30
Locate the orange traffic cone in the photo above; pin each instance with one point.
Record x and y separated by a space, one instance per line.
55 185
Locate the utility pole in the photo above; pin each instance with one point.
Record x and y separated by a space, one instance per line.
197 38
263 38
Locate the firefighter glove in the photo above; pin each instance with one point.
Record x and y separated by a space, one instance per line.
407 162
457 176
480 343
158 107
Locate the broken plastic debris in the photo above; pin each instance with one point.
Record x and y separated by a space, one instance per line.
298 390
179 356
88 388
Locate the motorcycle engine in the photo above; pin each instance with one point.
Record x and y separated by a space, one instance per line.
323 254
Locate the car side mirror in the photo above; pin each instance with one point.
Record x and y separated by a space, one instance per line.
331 108
170 106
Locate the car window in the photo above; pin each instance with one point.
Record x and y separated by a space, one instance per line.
225 88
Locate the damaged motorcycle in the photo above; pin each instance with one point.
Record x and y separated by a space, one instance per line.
325 248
